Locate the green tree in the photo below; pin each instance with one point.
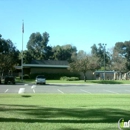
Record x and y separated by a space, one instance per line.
120 48
83 63
37 45
8 56
27 58
65 52
94 50
123 50
48 53
118 62
126 53
101 52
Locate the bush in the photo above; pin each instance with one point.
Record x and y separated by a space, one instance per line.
73 79
64 78
25 76
69 78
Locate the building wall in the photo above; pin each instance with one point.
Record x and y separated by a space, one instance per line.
89 75
109 75
34 70
26 70
49 70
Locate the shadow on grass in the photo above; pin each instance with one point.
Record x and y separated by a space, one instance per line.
106 82
37 114
26 96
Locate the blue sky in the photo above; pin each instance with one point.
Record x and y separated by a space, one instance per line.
81 23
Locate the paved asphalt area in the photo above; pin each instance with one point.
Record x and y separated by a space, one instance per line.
67 88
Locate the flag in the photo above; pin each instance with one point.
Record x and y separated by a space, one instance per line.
23 27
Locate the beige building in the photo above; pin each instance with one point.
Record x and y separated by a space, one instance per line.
54 67
107 75
45 67
51 67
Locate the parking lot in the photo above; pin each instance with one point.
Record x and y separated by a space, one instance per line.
67 88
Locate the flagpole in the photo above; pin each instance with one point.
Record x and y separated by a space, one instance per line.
22 51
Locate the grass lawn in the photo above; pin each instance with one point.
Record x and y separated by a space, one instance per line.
92 81
63 111
80 81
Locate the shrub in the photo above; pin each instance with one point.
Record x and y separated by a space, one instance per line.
69 78
25 76
64 78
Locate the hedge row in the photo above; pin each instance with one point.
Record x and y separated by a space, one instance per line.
51 75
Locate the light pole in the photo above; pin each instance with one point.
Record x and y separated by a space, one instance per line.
22 51
104 49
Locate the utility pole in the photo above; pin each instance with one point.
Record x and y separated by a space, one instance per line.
22 52
104 50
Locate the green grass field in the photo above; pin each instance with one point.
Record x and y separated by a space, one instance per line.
80 81
63 111
91 81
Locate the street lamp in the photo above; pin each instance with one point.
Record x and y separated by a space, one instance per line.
104 49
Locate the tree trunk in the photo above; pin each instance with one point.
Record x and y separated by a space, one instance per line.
84 77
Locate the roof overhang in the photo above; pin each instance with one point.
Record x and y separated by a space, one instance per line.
41 66
101 71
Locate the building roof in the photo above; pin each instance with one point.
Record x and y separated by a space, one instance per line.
50 62
46 63
101 71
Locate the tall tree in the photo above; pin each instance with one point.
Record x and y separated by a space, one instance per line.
123 49
27 58
120 48
127 53
65 52
118 62
8 56
37 45
101 53
94 50
83 63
